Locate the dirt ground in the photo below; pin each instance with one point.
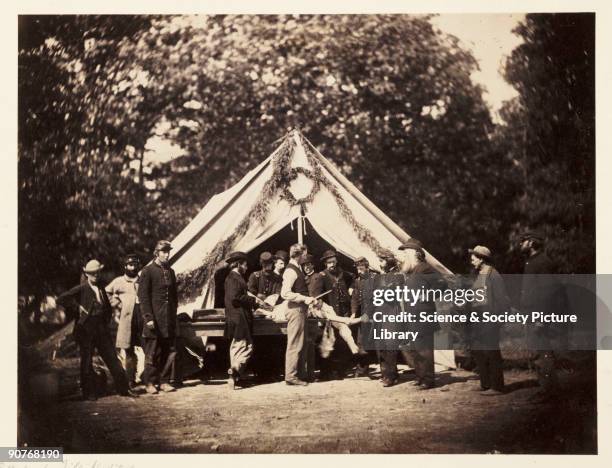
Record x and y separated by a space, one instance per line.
354 415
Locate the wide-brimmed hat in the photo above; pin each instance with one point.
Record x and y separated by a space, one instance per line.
412 244
265 257
306 259
282 255
481 251
236 256
328 254
93 266
361 261
163 246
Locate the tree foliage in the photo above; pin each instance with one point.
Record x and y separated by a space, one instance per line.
552 126
388 98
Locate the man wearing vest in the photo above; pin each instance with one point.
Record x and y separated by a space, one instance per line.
91 330
295 291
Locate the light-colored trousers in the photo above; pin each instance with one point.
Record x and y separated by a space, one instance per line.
240 352
133 362
295 359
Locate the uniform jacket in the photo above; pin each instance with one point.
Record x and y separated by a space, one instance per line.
264 283
538 288
82 304
122 295
339 297
310 283
158 299
238 308
542 292
357 296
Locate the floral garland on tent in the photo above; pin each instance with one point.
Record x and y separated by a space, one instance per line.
363 233
190 284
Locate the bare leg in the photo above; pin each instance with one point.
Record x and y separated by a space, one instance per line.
327 312
347 335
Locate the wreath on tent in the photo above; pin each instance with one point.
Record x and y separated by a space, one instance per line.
191 283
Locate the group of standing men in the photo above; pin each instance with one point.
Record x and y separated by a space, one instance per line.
146 303
332 294
349 301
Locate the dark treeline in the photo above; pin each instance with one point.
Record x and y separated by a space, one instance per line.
388 99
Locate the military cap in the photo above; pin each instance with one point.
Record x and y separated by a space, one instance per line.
93 266
361 260
532 235
306 259
328 254
132 259
282 255
265 257
236 256
481 251
163 246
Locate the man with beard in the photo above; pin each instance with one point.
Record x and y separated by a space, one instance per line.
91 330
122 293
266 281
421 276
540 292
333 278
238 317
158 299
295 291
391 278
363 274
485 336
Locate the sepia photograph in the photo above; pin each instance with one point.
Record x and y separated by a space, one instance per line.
215 210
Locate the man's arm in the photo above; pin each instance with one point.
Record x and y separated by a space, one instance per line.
113 294
144 296
68 300
253 284
289 277
174 289
356 299
239 295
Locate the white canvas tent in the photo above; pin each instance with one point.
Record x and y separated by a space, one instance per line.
317 194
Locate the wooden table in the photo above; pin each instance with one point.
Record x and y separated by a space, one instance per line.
211 323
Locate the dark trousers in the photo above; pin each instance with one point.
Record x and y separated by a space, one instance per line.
388 364
93 336
490 368
422 359
547 372
160 357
